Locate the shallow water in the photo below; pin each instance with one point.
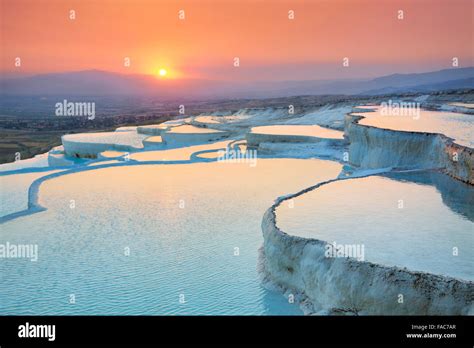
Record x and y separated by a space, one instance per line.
181 224
112 154
414 223
154 139
303 130
207 119
14 191
159 127
465 105
177 154
101 163
191 129
212 155
459 127
35 162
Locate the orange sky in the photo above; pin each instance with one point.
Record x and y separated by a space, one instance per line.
269 45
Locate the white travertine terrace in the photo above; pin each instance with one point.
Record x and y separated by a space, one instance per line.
154 142
179 153
299 130
57 157
206 120
91 144
261 137
332 285
155 129
340 285
187 134
111 155
372 147
126 129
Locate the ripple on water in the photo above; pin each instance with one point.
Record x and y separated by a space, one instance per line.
181 224
408 220
457 126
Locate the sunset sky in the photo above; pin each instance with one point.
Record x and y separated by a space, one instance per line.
269 45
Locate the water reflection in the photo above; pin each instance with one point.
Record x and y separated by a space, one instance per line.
459 127
301 130
422 221
181 224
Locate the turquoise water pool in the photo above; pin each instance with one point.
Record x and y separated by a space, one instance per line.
422 221
152 239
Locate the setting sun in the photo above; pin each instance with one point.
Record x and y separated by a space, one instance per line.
162 72
132 129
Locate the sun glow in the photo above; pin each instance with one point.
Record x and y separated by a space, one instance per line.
162 72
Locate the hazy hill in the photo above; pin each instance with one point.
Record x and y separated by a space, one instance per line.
96 82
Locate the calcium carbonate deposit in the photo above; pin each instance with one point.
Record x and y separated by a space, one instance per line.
360 215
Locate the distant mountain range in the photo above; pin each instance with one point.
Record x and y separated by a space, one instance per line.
101 83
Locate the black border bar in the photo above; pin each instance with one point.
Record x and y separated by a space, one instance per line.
328 330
